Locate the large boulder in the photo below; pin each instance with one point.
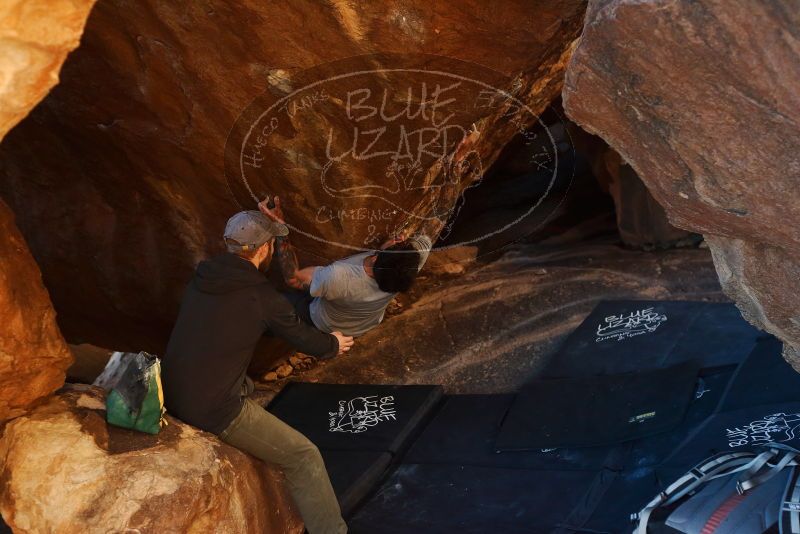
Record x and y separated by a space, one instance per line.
701 99
37 35
62 469
122 181
33 355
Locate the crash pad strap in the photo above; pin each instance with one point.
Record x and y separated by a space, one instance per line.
789 521
755 470
719 465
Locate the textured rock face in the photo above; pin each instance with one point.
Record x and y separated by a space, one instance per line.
701 99
121 177
35 38
33 355
765 282
65 470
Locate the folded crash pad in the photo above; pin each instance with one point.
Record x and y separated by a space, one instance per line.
626 336
358 428
354 474
598 410
742 430
353 417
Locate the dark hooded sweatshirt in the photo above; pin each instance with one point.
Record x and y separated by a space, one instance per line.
226 308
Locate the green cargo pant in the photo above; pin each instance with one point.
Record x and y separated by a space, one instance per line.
263 435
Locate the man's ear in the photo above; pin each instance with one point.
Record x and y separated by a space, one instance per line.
266 248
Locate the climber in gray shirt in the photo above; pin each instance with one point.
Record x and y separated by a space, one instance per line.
350 295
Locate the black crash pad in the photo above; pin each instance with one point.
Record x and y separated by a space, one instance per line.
712 385
757 403
352 417
626 494
740 429
464 431
354 474
641 481
718 336
764 378
600 410
761 405
472 500
626 336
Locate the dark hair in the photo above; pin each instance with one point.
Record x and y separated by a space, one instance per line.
396 267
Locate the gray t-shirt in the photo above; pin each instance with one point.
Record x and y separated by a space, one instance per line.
349 301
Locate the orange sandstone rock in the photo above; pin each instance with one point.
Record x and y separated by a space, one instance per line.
62 469
35 38
33 355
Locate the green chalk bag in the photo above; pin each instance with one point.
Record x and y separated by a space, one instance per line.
137 401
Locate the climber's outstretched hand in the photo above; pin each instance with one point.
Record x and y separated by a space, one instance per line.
275 213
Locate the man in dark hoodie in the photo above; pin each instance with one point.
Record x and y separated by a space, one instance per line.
227 307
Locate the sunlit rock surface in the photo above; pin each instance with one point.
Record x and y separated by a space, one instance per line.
35 38
701 99
33 355
121 178
62 469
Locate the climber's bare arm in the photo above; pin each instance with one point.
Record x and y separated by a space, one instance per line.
287 258
292 273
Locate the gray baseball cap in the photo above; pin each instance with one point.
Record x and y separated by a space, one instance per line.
251 229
